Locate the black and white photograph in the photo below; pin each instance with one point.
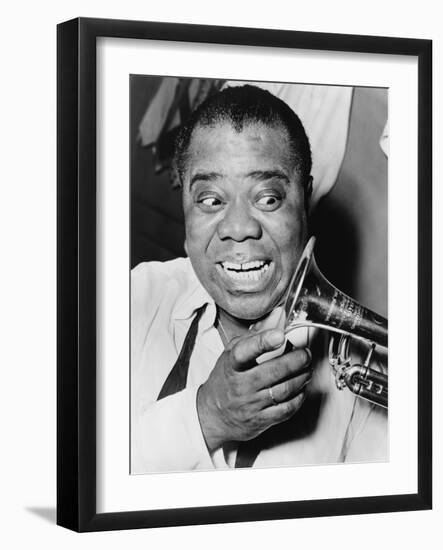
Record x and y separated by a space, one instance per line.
259 274
243 275
221 275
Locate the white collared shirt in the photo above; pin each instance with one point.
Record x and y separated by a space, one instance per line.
332 426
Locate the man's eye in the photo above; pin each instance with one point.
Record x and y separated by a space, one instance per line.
269 202
209 201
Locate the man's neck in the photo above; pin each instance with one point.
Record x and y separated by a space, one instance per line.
230 327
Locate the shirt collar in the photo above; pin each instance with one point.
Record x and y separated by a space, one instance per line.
194 296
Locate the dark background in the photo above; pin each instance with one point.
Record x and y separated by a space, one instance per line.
350 222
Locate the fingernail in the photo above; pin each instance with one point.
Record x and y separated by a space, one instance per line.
276 338
309 354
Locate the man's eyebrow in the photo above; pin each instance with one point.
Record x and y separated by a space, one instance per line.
204 176
264 175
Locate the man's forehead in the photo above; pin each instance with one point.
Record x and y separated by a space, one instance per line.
247 130
226 144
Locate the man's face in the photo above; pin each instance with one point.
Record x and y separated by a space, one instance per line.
244 214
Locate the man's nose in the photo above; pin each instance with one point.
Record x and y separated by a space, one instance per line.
238 223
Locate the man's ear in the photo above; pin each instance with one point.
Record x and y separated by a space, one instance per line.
309 188
308 193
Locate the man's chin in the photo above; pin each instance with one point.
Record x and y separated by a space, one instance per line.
249 312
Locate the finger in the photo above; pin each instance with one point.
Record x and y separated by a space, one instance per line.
285 390
281 412
247 349
280 368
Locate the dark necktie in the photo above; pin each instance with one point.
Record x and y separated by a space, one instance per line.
177 378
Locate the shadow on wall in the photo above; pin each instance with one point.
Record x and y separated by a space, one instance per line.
46 513
157 227
337 250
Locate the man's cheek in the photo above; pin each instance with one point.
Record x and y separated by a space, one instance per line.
197 227
292 239
292 226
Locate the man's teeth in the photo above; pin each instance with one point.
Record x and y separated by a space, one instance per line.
244 267
247 271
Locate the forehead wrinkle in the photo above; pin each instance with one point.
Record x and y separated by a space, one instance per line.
264 175
203 176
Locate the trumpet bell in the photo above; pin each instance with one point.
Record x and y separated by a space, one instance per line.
312 300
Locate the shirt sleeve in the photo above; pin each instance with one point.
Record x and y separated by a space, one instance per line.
167 436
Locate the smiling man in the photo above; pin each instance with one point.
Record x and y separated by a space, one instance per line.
211 386
243 201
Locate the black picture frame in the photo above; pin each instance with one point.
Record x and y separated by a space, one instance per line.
76 280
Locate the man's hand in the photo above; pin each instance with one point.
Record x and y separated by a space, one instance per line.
235 403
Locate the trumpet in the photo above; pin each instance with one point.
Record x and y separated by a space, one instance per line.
312 301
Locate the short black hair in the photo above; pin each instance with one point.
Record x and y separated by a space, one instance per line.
241 106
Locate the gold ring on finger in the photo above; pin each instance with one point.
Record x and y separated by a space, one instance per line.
271 395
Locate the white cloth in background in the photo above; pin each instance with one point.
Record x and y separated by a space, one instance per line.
324 112
154 119
155 116
166 434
